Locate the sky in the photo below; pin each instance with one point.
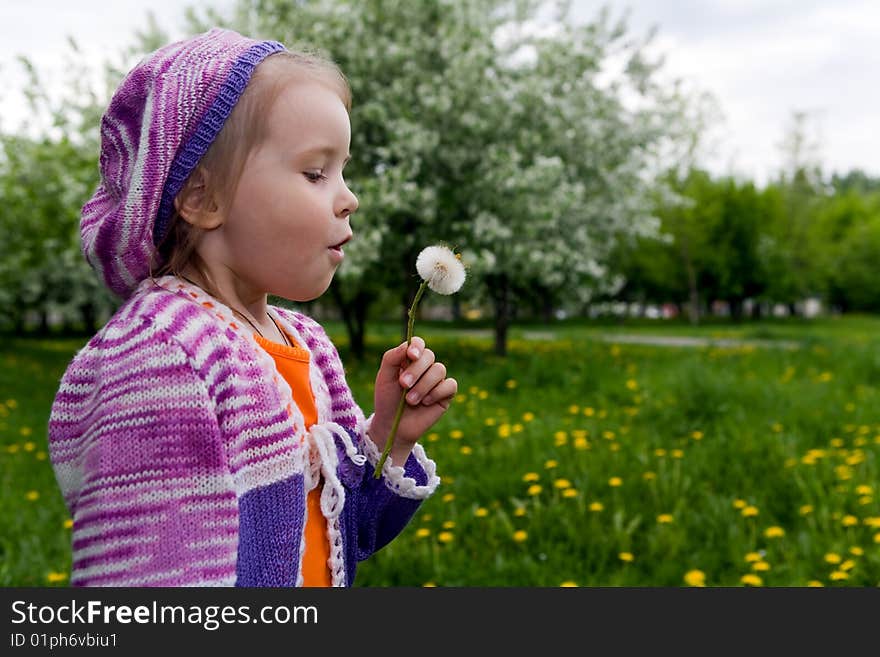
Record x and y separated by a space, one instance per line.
761 60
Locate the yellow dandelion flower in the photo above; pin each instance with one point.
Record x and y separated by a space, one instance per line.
29 446
815 584
697 435
489 422
460 398
751 579
549 465
531 476
856 550
626 557
42 456
448 497
520 535
833 557
677 454
806 509
751 557
695 578
849 521
54 578
849 564
614 482
776 427
25 431
598 506
824 377
590 412
516 428
581 443
774 532
449 524
760 566
528 416
615 350
481 512
608 435
838 575
519 512
32 496
11 403
659 452
504 430
750 512
13 448
456 434
867 499
836 442
433 437
511 384
68 523
560 436
864 489
574 409
569 492
466 450
568 585
632 384
649 476
429 585
483 394
423 532
562 484
877 537
445 537
534 489
664 518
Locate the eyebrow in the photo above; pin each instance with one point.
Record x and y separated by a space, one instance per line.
326 150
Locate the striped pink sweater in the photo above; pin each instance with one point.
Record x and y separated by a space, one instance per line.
183 461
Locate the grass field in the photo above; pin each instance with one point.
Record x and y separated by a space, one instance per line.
579 460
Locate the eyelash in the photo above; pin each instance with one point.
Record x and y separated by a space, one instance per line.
314 177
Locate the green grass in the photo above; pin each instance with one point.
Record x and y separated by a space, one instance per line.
699 434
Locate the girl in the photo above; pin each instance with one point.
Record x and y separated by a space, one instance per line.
203 437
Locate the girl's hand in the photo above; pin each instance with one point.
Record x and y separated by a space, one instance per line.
428 395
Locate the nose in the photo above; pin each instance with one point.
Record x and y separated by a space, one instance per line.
347 204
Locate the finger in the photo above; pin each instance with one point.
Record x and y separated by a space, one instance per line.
416 369
416 348
443 393
434 375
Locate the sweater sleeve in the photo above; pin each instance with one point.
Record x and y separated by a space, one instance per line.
383 506
135 444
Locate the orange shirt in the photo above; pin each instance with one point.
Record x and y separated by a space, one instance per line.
293 365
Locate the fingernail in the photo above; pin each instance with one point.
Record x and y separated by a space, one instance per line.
407 380
413 397
414 352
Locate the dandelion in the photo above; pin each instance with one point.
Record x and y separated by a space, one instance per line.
569 492
806 509
833 557
649 476
568 585
456 434
481 512
448 497
29 446
614 482
466 450
697 435
445 537
519 512
877 537
626 557
856 550
751 557
590 412
864 490
751 579
695 578
520 535
423 532
632 384
511 384
429 585
838 575
677 454
449 524
774 532
815 584
443 272
68 523
549 465
660 452
760 566
32 496
528 416
534 489
849 521
849 564
54 578
664 518
574 409
531 476
595 507
562 484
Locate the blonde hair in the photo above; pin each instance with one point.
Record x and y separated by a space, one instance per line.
243 132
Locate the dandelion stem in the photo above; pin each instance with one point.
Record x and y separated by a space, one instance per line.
377 472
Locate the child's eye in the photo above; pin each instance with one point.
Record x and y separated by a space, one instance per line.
314 176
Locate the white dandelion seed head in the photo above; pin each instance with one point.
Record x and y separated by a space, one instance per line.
441 269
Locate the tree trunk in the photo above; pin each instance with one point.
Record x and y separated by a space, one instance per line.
501 299
354 314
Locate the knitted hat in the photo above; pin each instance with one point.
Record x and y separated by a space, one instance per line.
160 122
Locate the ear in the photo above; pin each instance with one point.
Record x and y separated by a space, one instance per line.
194 204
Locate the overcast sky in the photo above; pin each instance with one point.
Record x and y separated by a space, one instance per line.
761 60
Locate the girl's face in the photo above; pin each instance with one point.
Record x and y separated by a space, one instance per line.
283 231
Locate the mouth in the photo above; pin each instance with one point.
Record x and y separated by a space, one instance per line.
338 246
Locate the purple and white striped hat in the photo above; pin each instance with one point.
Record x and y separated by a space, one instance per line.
160 122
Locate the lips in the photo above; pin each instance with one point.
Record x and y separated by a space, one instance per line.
338 246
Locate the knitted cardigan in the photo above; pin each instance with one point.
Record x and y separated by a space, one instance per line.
184 462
